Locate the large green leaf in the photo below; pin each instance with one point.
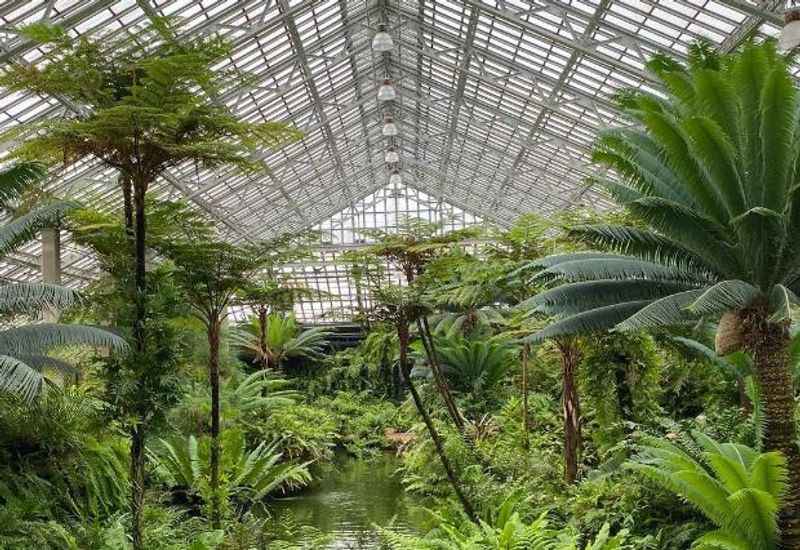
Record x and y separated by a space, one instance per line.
37 339
724 296
28 297
23 229
577 297
670 310
17 179
19 378
621 267
594 320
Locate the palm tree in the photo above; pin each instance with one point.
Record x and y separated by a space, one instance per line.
24 348
734 486
711 172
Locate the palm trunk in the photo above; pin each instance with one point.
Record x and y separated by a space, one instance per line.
768 344
213 376
138 433
438 376
525 419
263 319
403 336
571 408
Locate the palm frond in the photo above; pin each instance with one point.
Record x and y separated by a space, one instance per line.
670 310
18 178
19 378
27 297
21 230
724 296
594 320
36 339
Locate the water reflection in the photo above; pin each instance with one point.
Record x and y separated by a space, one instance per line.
349 500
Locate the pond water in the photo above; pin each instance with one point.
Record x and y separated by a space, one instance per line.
350 499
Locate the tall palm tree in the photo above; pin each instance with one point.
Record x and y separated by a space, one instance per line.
710 169
24 348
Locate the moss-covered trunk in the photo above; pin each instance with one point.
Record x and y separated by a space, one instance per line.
768 344
213 378
403 337
571 408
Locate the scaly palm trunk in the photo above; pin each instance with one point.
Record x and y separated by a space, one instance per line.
139 431
438 376
213 376
571 408
526 349
403 337
768 344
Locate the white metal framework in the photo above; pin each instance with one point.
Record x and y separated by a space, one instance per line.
498 101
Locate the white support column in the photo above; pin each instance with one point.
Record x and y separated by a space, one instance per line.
51 264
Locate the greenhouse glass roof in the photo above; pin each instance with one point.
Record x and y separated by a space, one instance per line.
498 103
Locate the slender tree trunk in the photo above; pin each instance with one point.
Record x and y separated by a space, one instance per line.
768 344
213 376
526 349
438 375
570 403
263 319
127 204
139 432
403 336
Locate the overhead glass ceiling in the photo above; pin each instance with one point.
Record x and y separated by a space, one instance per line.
498 101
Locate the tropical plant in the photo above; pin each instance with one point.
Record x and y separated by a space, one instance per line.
710 170
140 106
475 365
737 488
210 274
248 475
285 339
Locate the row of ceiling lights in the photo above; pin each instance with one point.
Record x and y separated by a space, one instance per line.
381 43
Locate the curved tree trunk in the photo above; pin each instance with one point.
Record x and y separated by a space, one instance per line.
526 349
213 377
438 376
571 407
403 336
768 343
139 431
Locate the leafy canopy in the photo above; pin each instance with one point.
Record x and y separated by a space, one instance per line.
709 172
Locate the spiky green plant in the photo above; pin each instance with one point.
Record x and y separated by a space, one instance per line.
284 338
710 171
250 475
737 488
474 365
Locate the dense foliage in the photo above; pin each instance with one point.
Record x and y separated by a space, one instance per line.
600 381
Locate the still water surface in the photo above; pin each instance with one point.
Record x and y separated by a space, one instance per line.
350 499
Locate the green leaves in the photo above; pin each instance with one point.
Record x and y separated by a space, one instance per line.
736 487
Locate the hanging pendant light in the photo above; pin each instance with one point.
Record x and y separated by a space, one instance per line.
392 156
386 92
382 41
790 33
395 179
390 128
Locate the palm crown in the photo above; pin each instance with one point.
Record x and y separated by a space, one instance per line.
710 171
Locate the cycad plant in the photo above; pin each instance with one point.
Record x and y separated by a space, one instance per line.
737 488
248 475
475 365
710 169
24 347
284 339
